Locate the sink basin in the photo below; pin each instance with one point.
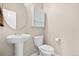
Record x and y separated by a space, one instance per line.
17 38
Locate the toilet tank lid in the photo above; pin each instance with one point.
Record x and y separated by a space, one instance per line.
38 36
46 48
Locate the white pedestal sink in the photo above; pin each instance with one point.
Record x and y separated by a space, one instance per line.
18 40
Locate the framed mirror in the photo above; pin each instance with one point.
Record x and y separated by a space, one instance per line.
38 17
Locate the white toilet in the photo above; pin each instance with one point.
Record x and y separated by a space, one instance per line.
44 50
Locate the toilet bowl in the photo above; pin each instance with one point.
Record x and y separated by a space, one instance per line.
44 50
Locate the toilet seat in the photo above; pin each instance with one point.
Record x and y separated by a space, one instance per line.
46 48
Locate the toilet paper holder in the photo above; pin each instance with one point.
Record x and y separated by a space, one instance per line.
58 40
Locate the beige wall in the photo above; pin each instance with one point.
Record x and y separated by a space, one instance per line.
63 22
23 26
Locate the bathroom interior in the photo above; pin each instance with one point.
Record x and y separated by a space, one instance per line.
39 29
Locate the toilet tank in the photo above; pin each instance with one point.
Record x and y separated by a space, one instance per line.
38 40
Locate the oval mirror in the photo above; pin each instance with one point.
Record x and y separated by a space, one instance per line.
10 18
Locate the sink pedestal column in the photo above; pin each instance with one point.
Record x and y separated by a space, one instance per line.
19 49
18 41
